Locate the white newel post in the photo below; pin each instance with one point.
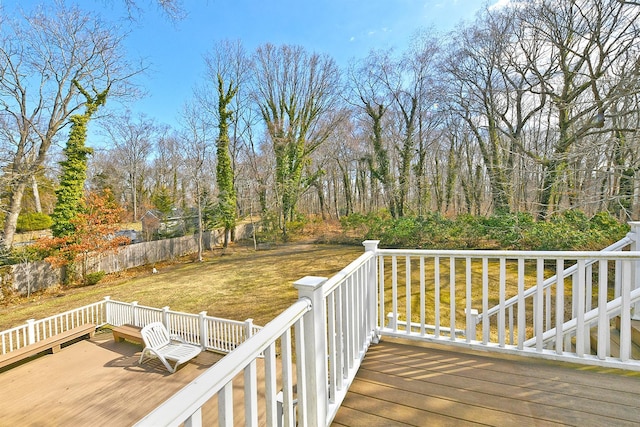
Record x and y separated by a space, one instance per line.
315 349
165 318
204 333
472 321
134 314
635 271
31 331
372 289
107 310
248 328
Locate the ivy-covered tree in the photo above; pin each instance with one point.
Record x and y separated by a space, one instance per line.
41 53
74 168
224 171
296 91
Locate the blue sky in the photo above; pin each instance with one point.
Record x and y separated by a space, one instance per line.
344 29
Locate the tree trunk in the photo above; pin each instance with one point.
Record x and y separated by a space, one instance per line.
36 194
199 223
134 194
11 220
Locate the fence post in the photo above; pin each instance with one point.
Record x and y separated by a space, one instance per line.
107 310
635 271
315 350
134 313
203 330
372 290
31 331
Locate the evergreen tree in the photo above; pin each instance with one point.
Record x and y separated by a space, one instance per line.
74 168
210 212
162 200
224 171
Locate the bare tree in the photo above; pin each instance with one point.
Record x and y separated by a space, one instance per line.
294 91
133 139
197 152
41 54
584 72
411 84
489 94
368 92
166 170
174 9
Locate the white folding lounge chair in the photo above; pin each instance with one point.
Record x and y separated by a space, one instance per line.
158 343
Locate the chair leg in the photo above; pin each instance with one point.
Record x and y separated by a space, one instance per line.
168 366
142 356
164 361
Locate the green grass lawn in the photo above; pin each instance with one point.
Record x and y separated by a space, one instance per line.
238 284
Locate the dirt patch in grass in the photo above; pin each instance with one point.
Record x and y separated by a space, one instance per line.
237 283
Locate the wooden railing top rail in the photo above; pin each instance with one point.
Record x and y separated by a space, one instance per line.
496 254
613 308
182 405
331 284
616 247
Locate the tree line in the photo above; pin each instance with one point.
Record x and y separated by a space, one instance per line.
531 107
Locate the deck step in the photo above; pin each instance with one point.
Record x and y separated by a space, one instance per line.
635 330
614 335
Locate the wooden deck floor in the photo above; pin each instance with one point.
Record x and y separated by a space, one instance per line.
93 382
403 384
400 383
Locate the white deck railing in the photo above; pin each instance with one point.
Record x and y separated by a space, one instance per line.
37 330
330 342
429 294
432 296
211 333
571 272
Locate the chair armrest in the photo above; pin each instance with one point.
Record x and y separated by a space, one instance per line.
178 338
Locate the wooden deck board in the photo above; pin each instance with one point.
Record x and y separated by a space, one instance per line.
92 382
99 382
401 381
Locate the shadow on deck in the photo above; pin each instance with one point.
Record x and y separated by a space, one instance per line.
91 382
402 383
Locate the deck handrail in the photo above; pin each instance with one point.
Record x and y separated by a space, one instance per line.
211 333
615 247
184 406
334 321
34 331
613 308
469 293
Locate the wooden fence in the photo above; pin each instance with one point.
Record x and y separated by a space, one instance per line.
34 276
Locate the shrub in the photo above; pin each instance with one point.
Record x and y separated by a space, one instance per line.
506 229
93 278
573 230
569 230
33 221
